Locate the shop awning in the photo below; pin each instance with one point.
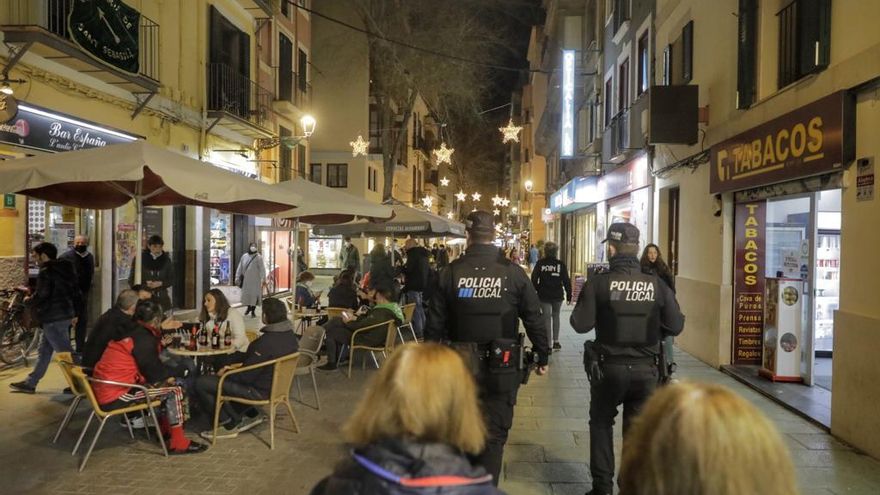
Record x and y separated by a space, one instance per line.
407 221
326 206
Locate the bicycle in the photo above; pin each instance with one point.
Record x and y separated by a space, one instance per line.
19 340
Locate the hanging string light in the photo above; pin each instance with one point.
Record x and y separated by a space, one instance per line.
359 146
511 132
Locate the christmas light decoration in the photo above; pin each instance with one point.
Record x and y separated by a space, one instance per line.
359 146
444 154
476 196
496 211
461 196
496 200
444 181
449 215
511 132
428 201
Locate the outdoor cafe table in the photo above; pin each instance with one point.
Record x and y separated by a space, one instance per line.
201 352
306 317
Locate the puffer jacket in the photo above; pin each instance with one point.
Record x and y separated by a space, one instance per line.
399 467
57 296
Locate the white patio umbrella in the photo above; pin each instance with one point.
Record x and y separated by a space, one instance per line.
109 177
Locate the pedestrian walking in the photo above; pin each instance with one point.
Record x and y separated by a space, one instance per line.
443 255
55 302
417 272
551 281
250 276
157 272
652 262
382 273
349 257
84 264
631 311
534 255
480 299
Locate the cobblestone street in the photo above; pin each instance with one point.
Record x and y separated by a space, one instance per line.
546 454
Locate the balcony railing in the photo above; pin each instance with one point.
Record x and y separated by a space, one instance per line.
236 95
616 138
52 16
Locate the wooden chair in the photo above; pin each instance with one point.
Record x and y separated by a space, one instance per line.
408 311
251 335
337 312
283 372
309 346
65 362
390 340
84 383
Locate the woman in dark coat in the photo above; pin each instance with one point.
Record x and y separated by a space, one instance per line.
652 262
404 440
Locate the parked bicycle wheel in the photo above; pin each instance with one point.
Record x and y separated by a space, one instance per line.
15 340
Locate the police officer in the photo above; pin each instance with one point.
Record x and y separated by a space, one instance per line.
476 309
631 312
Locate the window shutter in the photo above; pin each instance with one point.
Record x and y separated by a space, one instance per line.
746 76
814 35
687 48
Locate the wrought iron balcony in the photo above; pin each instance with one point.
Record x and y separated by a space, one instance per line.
237 103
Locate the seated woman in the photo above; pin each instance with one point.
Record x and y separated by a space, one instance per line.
305 298
340 329
405 438
134 358
344 294
701 438
216 313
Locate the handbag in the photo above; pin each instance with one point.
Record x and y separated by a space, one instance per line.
240 281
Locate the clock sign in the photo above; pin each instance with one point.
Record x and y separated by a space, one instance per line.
108 30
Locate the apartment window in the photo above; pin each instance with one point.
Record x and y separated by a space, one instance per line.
667 65
644 80
623 86
229 70
370 178
337 175
375 132
285 67
804 39
593 125
285 158
315 173
620 14
609 100
285 8
375 173
687 52
301 161
747 54
303 70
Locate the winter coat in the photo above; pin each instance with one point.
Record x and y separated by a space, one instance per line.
343 297
159 269
417 269
304 296
399 467
550 277
275 340
249 275
664 275
132 358
234 322
112 325
350 258
381 272
84 266
57 295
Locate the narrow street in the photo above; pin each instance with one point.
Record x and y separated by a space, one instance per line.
547 452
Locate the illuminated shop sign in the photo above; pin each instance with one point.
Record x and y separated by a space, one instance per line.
567 128
39 128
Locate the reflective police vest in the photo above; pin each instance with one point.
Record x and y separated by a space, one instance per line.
481 302
627 311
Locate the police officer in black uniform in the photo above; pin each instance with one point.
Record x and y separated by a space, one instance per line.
476 309
631 312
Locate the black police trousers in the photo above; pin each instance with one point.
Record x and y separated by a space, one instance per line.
627 384
497 410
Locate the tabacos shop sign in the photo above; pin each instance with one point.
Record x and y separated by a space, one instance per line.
815 139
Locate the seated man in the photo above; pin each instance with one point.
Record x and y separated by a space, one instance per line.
276 340
116 323
340 329
134 358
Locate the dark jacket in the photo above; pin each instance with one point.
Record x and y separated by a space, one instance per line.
276 340
461 312
350 258
381 272
550 278
417 269
160 269
57 296
625 303
387 467
664 275
112 325
343 297
131 358
304 296
84 266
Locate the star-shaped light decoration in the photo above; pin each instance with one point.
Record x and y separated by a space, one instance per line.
449 215
476 196
444 181
496 211
461 196
444 154
428 201
511 132
496 200
505 202
498 227
359 146
473 210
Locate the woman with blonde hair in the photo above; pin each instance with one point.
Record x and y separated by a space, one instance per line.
413 430
700 439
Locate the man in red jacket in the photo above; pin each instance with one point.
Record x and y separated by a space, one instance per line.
134 358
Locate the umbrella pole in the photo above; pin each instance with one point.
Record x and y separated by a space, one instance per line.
295 265
139 250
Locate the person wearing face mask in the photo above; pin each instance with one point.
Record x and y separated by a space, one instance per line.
305 296
157 271
250 276
84 264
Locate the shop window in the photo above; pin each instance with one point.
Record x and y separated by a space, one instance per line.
221 263
804 39
337 175
747 54
644 60
315 173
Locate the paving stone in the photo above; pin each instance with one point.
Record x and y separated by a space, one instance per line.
547 471
818 441
570 488
525 488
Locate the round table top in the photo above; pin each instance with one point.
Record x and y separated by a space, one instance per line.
311 314
201 351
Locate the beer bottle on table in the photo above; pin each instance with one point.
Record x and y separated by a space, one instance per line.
215 338
203 337
193 341
227 337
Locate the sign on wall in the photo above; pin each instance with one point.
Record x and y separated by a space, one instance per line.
865 179
812 140
748 290
41 129
108 30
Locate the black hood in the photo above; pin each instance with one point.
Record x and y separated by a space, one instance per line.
420 460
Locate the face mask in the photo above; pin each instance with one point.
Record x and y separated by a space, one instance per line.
253 250
81 249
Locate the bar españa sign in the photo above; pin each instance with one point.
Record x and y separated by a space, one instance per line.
748 305
814 139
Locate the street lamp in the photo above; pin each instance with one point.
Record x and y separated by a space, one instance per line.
529 185
308 124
